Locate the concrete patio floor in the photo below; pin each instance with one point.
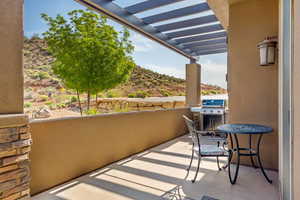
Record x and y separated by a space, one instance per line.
160 173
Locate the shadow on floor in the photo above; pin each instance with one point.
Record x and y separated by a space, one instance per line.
160 173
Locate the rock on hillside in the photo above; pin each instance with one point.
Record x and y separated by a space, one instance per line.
35 53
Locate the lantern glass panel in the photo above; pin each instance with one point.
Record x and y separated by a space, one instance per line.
263 55
271 55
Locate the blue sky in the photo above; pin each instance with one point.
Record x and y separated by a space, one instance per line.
148 54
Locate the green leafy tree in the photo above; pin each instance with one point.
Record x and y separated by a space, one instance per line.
91 56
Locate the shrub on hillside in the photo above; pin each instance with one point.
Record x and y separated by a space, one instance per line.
40 75
113 94
165 93
213 92
139 94
205 92
131 95
73 99
61 105
92 112
51 105
27 105
43 98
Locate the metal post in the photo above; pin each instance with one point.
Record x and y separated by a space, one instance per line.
193 61
285 117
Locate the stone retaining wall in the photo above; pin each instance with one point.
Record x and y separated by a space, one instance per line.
15 145
139 105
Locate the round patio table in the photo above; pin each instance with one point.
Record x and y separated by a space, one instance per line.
245 129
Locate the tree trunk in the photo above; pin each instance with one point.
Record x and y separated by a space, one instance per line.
79 103
96 100
88 100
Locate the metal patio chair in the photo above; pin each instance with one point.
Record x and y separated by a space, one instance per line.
204 150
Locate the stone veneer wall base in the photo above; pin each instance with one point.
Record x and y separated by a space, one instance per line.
15 142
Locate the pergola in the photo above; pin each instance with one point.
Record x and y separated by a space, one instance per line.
188 35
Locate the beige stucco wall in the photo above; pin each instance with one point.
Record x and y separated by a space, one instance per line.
64 149
296 78
11 43
221 10
253 90
235 1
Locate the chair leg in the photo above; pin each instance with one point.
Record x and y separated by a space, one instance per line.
218 163
198 166
192 158
224 143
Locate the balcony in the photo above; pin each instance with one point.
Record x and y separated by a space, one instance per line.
71 147
160 173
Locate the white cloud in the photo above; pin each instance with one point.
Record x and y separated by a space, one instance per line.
213 73
141 43
214 67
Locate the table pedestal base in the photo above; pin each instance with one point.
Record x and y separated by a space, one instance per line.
249 152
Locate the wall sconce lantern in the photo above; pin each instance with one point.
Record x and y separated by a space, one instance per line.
267 50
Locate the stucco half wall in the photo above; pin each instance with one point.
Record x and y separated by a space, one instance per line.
67 148
253 89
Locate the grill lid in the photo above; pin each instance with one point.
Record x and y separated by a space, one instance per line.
213 103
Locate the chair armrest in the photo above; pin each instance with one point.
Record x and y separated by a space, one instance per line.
212 138
217 139
201 132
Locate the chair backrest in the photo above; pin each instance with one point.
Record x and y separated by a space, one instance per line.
192 130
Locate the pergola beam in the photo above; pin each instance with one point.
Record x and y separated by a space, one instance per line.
187 23
115 12
195 31
217 51
206 43
148 5
178 41
211 47
181 12
198 38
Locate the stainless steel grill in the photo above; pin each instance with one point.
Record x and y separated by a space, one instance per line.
210 115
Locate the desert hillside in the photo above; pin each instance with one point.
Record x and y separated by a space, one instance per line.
43 88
